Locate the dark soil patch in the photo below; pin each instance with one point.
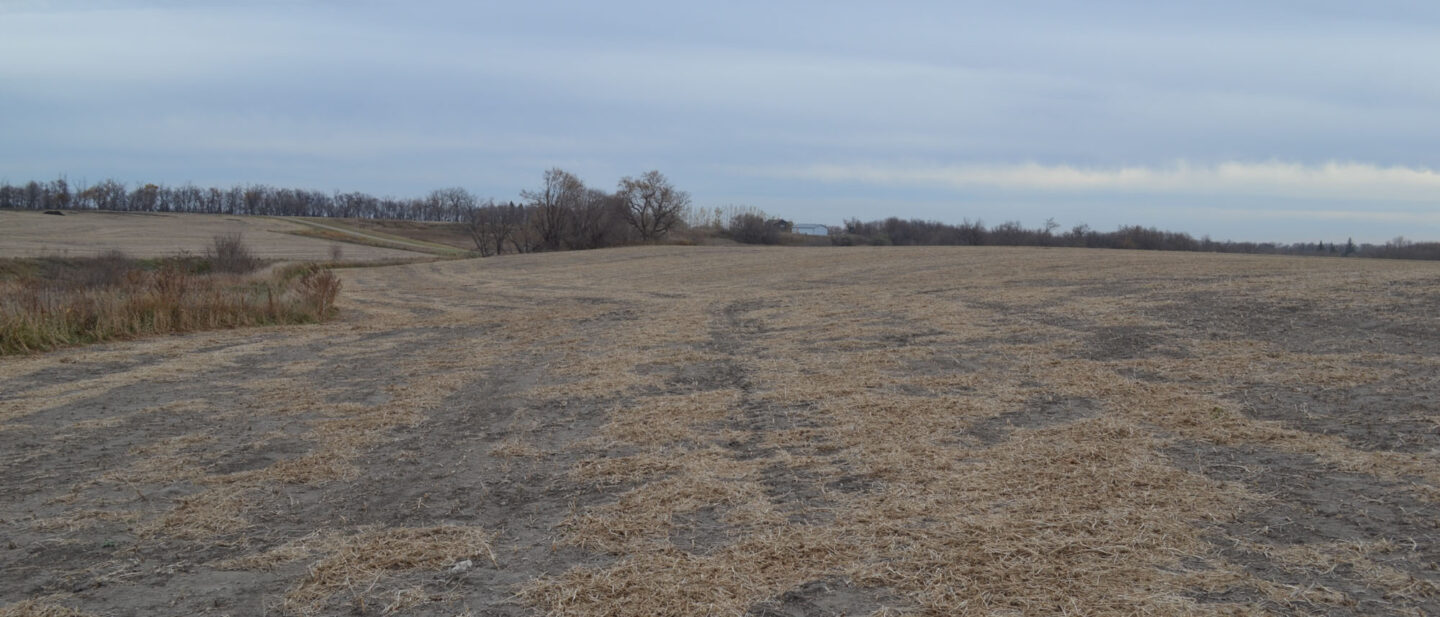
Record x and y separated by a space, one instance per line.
700 376
825 598
618 315
701 531
961 361
906 339
1369 416
1233 595
799 493
74 370
1039 413
446 473
736 322
1143 375
1130 342
1312 503
1386 326
36 462
441 472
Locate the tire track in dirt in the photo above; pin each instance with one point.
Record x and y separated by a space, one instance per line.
283 432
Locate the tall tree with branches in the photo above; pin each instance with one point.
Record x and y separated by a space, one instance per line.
652 204
553 205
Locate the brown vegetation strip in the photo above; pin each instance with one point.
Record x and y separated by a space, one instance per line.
111 297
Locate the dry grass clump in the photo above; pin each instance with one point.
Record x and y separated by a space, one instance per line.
665 419
515 447
643 517
202 515
114 297
404 599
169 460
1089 508
673 582
40 608
614 470
357 565
314 543
1359 557
595 376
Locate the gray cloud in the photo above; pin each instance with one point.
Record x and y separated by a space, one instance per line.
1334 180
905 108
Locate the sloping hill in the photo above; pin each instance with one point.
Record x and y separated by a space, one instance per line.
34 234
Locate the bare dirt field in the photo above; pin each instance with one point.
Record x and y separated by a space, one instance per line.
748 431
148 234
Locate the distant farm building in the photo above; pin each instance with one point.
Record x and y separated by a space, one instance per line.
810 229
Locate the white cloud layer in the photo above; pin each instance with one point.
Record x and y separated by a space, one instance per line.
925 109
1333 180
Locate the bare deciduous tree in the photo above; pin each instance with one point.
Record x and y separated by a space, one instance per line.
452 204
522 233
597 221
652 204
553 205
491 225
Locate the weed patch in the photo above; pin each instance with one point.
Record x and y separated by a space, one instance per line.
50 303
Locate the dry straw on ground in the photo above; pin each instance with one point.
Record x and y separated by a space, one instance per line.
40 608
703 431
356 565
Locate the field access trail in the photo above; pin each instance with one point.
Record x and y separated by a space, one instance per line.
761 431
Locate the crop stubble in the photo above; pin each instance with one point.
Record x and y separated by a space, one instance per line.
675 430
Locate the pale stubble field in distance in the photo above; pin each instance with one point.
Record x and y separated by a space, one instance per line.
155 234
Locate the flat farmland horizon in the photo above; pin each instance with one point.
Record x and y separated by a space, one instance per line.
80 233
675 430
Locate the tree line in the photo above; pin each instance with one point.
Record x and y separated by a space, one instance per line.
753 226
248 200
561 214
896 231
564 214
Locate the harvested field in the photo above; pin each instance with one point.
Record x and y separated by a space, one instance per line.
748 431
151 234
439 235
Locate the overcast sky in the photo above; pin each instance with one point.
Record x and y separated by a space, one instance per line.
1283 120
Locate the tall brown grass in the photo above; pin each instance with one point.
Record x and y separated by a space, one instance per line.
228 253
50 303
